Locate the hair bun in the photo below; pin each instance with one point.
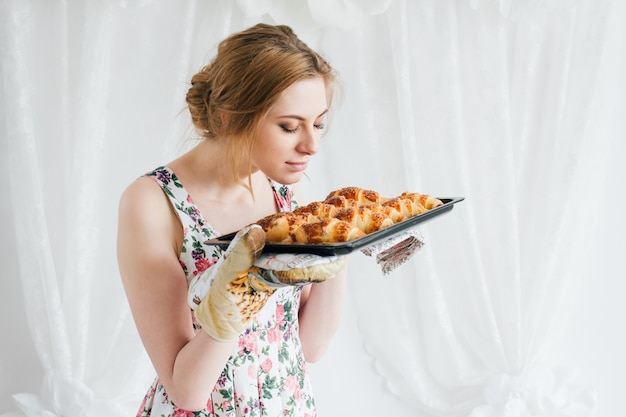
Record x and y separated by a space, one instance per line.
198 100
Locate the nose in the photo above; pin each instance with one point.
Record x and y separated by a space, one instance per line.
309 141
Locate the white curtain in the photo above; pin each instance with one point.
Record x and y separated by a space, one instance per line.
502 102
501 111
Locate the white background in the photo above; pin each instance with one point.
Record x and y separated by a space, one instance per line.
350 379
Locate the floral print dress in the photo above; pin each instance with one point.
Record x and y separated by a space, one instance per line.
266 374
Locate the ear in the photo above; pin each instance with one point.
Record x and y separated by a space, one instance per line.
223 117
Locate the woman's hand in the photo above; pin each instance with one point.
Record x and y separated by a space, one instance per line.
296 269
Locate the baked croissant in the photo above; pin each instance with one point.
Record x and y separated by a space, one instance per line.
279 226
345 214
366 218
319 209
340 201
326 231
427 201
363 197
405 206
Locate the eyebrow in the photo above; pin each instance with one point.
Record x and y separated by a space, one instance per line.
295 116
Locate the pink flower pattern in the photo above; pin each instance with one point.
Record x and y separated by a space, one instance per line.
266 374
266 366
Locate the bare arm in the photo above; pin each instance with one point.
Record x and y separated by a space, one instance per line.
149 239
321 309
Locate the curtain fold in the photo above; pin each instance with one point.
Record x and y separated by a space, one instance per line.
500 107
499 102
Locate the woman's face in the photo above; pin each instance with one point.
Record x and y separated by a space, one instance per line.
290 132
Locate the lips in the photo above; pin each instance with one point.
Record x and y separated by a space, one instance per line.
298 166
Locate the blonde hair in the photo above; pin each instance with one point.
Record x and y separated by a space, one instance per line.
229 97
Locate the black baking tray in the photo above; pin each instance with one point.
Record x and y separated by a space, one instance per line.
344 248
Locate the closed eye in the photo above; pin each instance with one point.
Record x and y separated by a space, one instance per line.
287 130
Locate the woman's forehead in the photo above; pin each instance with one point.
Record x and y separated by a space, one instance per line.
306 96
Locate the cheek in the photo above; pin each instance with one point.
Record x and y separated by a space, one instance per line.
266 152
271 142
264 149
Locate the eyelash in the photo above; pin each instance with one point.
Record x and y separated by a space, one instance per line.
319 126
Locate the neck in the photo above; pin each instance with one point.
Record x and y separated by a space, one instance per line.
203 168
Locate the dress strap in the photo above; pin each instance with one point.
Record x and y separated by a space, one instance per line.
189 215
284 196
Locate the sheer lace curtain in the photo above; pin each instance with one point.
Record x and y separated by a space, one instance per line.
501 102
502 112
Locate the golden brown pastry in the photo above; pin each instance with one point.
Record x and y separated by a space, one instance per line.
360 195
345 214
427 201
340 201
279 226
319 209
367 218
326 231
407 207
389 211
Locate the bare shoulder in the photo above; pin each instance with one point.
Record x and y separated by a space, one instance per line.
147 226
143 202
141 192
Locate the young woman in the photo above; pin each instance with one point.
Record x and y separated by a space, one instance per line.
261 106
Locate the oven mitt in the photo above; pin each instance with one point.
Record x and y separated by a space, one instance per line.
282 269
392 253
225 297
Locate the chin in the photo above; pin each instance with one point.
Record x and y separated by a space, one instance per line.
287 179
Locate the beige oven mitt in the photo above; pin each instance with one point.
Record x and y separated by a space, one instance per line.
282 269
225 297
